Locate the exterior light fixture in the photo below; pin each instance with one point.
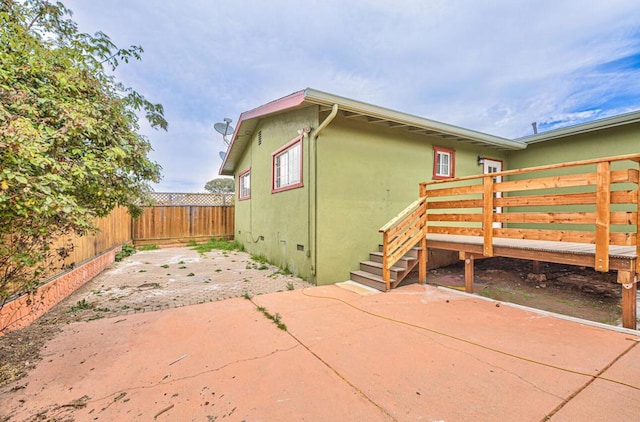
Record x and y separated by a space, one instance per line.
480 160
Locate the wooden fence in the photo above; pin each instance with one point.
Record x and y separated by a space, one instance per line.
178 224
113 230
92 253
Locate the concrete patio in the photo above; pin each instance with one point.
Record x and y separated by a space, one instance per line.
416 353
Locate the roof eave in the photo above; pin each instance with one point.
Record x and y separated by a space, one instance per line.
353 106
608 122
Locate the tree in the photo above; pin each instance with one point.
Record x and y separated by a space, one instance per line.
220 185
69 147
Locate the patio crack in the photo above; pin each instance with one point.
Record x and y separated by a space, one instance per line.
335 371
594 377
186 377
491 365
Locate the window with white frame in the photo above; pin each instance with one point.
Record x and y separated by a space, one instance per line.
443 163
287 166
244 185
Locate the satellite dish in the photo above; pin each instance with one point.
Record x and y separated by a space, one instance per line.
222 154
225 129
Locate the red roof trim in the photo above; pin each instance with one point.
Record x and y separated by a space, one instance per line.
284 103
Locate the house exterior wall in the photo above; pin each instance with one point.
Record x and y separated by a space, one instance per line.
366 175
276 225
618 140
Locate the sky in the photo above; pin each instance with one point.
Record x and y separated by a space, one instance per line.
493 66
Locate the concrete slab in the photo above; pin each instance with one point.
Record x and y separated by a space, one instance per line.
416 353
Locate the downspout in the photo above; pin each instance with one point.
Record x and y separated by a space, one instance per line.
313 231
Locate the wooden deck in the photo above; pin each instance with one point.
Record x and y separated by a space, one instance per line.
621 258
583 213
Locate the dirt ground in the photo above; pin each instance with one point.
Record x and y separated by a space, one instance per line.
146 281
569 290
176 277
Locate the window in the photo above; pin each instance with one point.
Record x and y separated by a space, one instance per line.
244 185
444 163
287 166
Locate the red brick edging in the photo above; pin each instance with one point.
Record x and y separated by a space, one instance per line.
24 310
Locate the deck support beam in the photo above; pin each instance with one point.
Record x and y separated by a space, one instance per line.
422 260
629 283
468 271
536 267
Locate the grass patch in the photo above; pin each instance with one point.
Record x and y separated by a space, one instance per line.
164 266
290 286
190 275
81 305
127 250
260 258
277 318
282 271
219 245
149 247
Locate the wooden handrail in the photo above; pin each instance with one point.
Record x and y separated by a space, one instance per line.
398 218
401 234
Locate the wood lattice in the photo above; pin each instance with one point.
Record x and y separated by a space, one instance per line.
203 199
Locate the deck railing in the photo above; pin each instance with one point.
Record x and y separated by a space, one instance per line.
401 234
591 201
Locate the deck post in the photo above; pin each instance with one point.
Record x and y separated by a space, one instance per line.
603 216
536 267
468 272
638 223
487 215
629 283
386 272
422 268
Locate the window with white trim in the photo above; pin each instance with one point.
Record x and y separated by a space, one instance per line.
244 185
443 163
287 166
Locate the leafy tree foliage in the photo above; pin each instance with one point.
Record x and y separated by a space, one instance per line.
69 147
220 185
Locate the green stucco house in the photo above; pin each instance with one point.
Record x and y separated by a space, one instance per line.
318 174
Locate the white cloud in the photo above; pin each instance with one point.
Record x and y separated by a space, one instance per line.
490 66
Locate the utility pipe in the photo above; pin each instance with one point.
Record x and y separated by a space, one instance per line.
313 231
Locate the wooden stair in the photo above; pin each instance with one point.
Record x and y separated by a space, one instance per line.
370 272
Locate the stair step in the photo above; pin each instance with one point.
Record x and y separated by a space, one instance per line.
376 268
413 252
370 280
402 262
